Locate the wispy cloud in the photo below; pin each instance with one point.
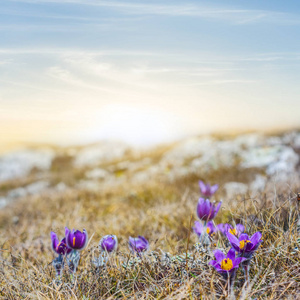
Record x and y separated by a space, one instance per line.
233 15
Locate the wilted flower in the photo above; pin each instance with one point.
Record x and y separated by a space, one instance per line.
244 245
109 243
199 228
76 240
226 264
206 210
60 247
207 190
237 230
139 244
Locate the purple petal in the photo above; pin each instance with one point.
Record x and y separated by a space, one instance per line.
67 230
214 188
240 228
219 255
198 229
233 240
217 208
231 254
244 237
255 238
202 187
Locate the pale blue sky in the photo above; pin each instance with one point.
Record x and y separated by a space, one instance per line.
146 71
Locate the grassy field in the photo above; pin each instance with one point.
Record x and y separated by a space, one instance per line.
164 213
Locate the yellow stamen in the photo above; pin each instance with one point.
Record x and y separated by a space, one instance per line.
233 231
207 230
58 246
243 243
226 264
73 241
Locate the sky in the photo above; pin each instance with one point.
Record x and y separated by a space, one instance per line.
146 72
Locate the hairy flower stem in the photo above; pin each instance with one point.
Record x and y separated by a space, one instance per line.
73 261
58 264
246 272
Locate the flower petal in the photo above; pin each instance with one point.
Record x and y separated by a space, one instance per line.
231 254
219 255
255 238
233 240
244 237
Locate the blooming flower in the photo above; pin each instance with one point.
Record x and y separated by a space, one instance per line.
109 243
199 228
206 210
139 244
76 240
244 245
60 247
207 190
237 230
226 263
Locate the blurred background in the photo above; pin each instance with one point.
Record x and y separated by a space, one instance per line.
145 72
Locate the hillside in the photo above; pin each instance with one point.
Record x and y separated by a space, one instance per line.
110 188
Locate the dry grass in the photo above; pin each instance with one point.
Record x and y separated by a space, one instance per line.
163 213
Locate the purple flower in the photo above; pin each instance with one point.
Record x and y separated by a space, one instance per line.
139 244
237 230
244 245
199 228
206 210
109 243
207 190
76 240
226 263
60 247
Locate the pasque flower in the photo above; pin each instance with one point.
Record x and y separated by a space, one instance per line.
109 243
237 230
206 210
60 247
76 239
207 190
199 228
225 264
139 244
244 245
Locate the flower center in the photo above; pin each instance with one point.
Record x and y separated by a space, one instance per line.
207 230
243 243
226 264
233 231
73 241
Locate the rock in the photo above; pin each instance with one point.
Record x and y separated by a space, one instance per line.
97 174
19 163
279 161
100 153
258 184
235 188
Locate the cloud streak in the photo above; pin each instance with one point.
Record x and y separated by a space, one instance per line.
232 15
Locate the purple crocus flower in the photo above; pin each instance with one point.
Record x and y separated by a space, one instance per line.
199 228
244 245
207 190
109 243
139 244
237 230
226 264
60 247
76 240
206 210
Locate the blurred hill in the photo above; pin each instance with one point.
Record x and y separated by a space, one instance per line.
243 163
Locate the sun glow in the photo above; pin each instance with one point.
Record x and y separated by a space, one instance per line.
139 125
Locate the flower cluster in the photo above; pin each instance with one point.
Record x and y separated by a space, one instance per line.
75 241
240 253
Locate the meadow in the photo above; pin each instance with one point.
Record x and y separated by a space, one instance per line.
133 198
